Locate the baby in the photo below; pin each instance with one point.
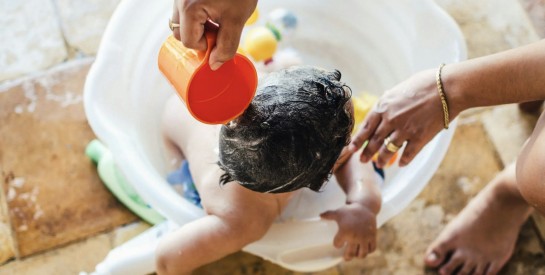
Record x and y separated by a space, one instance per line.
245 172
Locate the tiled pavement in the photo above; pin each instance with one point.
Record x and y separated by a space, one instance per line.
43 131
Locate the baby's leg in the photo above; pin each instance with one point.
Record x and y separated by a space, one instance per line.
481 239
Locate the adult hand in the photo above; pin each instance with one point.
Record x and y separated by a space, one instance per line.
231 15
410 113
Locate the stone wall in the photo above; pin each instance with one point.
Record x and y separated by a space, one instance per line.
38 34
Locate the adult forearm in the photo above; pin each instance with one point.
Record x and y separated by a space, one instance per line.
517 75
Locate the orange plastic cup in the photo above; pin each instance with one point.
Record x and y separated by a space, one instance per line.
212 97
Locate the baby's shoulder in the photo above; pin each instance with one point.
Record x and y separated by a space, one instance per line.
233 199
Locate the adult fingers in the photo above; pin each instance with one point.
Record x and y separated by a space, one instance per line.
375 142
175 19
226 43
384 155
412 148
192 27
367 129
343 157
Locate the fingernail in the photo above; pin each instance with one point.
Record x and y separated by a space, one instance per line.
214 66
432 257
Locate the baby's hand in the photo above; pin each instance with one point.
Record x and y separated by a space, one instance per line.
357 229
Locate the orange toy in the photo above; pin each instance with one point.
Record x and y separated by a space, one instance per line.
390 162
212 97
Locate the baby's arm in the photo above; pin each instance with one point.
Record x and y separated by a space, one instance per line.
356 219
235 218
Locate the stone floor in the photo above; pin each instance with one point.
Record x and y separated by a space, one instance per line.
43 131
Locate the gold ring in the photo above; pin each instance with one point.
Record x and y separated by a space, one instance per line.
173 25
390 146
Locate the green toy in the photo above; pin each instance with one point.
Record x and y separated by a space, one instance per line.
116 183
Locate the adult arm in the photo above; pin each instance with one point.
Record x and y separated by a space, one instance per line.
411 111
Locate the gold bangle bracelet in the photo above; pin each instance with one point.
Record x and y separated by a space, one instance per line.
442 95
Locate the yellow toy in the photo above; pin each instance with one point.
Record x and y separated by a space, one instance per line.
362 106
261 42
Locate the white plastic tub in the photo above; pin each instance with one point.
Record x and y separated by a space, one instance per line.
375 44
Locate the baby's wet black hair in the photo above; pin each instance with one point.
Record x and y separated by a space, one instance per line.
291 134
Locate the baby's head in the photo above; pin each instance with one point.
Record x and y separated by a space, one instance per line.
291 134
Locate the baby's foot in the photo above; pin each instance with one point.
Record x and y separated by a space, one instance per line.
481 238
